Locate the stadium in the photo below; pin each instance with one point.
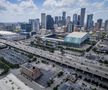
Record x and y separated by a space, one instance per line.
76 38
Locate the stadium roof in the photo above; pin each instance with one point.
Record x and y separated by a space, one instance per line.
76 37
11 82
77 34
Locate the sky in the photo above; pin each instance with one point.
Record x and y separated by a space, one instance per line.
22 10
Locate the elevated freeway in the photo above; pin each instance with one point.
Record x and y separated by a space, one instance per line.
72 61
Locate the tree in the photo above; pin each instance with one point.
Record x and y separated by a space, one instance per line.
50 82
32 43
62 51
60 73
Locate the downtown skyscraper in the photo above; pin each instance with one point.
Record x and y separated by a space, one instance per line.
75 19
34 24
89 23
106 25
49 22
82 16
99 21
43 20
56 20
68 20
64 18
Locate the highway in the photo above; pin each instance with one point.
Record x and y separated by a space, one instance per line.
73 61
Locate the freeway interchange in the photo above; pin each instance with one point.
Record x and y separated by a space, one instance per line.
69 60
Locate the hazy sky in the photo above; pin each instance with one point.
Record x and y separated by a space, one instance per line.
22 10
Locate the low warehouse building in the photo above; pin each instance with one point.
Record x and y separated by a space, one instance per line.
30 71
7 35
11 82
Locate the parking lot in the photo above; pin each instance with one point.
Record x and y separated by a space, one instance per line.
48 72
13 56
45 77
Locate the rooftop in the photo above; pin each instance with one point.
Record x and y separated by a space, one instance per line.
77 34
31 68
11 82
2 45
6 33
31 71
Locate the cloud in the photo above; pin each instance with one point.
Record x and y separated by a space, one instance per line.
22 10
73 6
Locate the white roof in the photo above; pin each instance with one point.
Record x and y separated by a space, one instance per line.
6 33
52 39
11 82
77 34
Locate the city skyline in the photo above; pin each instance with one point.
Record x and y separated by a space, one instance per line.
22 10
53 44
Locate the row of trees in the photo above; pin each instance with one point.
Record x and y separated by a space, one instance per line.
6 66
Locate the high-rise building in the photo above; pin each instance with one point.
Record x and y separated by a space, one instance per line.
99 21
75 19
68 20
50 23
37 25
82 16
59 21
59 18
33 24
64 18
79 17
96 26
25 27
70 27
106 25
9 26
43 20
56 20
89 24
